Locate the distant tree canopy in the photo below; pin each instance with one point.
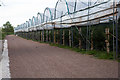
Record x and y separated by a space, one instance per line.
8 28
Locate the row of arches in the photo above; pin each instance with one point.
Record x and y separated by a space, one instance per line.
62 8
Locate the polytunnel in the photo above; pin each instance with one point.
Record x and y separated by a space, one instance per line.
27 24
80 12
39 21
33 21
74 12
48 17
61 8
39 18
30 22
24 26
48 14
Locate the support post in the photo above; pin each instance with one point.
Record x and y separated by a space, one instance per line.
43 36
49 36
70 38
80 46
32 35
63 37
46 35
54 36
39 36
91 40
57 37
107 40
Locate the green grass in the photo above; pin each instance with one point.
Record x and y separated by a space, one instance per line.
5 34
97 54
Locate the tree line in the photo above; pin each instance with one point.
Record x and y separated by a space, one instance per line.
7 29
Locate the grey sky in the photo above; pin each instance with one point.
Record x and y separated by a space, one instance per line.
18 11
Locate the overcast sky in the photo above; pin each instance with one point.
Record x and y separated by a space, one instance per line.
19 11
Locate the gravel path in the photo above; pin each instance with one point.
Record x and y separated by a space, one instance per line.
30 59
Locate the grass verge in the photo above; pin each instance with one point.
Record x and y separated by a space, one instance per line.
4 34
97 54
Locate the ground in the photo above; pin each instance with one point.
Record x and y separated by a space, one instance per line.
0 49
29 59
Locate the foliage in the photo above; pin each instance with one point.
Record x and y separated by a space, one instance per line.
98 39
7 29
95 53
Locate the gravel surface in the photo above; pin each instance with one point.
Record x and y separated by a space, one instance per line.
29 59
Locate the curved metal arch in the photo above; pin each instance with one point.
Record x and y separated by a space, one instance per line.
39 14
27 24
24 25
20 27
33 21
49 12
57 5
30 22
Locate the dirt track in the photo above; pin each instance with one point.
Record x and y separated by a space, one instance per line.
30 59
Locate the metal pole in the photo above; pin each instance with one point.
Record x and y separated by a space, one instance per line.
75 5
72 37
61 28
113 28
116 36
87 28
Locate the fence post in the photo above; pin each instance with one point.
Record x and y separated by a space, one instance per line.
46 35
43 36
30 34
72 31
107 39
80 46
35 35
49 36
39 36
63 37
70 38
91 40
55 36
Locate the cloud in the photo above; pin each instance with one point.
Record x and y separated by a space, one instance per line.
19 11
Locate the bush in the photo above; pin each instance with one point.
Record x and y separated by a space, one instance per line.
7 29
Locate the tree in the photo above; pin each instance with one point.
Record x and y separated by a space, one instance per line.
8 28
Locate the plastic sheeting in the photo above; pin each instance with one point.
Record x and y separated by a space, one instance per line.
73 12
48 14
